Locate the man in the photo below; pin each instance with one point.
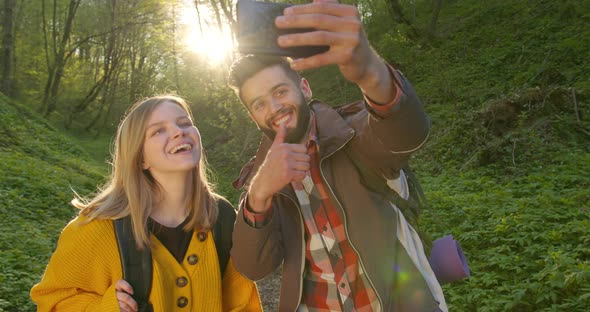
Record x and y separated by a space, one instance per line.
342 246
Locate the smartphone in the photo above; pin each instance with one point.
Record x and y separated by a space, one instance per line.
257 33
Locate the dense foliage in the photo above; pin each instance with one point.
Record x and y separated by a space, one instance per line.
39 169
506 170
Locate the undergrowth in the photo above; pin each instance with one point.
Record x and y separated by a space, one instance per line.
39 167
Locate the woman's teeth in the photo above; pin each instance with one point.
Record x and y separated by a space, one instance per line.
181 147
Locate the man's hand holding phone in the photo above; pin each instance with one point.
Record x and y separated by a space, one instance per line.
335 25
339 27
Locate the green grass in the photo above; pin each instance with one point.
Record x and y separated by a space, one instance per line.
524 231
98 148
39 167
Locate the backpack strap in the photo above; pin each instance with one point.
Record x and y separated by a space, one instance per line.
416 191
136 264
410 208
222 232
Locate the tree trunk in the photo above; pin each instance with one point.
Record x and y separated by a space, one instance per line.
398 14
54 82
106 104
199 17
137 61
174 52
227 15
434 19
109 65
227 10
7 48
107 116
57 60
217 16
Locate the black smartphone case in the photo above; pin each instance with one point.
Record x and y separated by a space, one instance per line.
257 33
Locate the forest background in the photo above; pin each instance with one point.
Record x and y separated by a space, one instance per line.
506 83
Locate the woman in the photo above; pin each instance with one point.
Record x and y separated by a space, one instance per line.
159 180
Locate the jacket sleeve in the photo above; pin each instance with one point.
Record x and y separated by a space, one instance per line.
82 271
385 139
239 293
257 251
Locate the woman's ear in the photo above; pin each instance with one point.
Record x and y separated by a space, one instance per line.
144 165
305 89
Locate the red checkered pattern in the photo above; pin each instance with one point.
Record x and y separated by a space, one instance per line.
333 278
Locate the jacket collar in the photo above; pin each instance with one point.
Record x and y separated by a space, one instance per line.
332 130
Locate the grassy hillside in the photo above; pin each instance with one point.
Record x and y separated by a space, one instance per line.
39 167
507 168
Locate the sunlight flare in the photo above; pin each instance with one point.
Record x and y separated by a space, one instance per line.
205 38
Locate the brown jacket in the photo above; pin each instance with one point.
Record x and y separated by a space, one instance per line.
384 142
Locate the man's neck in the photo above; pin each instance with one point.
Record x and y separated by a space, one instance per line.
310 125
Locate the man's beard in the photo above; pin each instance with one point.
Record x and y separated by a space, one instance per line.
294 135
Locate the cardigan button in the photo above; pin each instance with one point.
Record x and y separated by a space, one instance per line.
182 302
181 281
192 259
202 236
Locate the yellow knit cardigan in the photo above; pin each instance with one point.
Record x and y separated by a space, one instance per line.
83 269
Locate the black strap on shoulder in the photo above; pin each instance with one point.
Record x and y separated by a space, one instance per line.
136 264
415 188
410 208
222 232
377 184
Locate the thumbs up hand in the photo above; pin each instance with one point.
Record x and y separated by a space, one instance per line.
284 163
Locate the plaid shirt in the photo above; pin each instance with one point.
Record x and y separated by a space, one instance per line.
333 278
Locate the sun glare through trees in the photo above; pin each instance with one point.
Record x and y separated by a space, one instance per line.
201 33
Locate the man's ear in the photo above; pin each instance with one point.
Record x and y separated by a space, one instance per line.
305 89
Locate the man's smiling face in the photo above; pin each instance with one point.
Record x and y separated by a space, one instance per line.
272 99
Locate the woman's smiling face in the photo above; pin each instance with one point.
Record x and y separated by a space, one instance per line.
172 143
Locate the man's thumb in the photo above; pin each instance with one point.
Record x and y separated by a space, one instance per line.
281 134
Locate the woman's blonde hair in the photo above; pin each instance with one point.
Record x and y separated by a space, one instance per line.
131 190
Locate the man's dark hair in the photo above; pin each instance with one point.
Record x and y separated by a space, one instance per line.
249 65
